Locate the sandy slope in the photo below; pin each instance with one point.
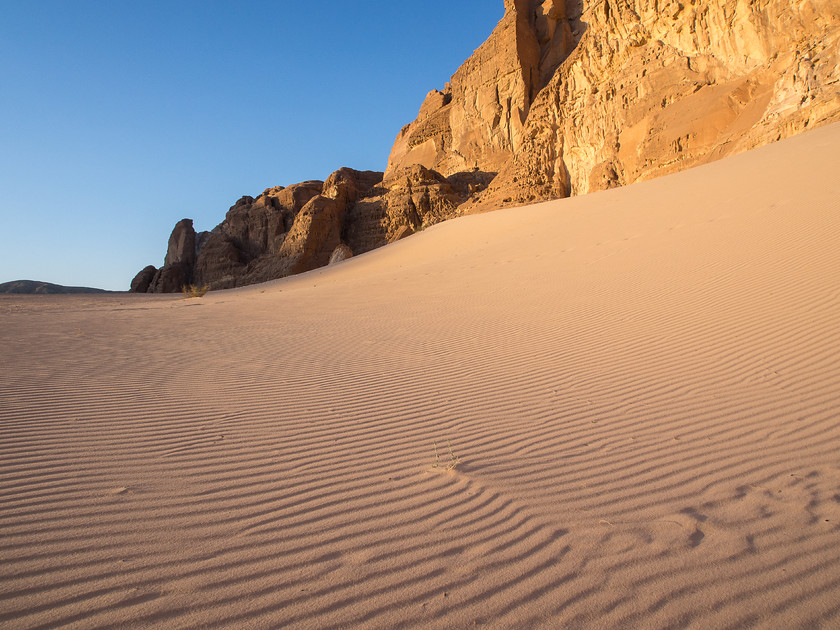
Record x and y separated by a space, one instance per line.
643 387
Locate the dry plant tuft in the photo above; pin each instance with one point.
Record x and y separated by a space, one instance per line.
192 291
453 458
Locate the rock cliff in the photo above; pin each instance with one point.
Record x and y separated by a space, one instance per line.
565 97
479 118
656 86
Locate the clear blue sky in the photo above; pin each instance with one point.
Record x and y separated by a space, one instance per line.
120 117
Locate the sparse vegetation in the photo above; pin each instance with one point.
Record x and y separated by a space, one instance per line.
192 291
453 462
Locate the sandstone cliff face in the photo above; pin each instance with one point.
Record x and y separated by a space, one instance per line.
407 200
478 120
656 86
565 97
244 248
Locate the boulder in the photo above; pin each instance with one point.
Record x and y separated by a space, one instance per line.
143 280
340 253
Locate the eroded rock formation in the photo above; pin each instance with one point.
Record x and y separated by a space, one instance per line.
178 263
286 231
565 97
478 120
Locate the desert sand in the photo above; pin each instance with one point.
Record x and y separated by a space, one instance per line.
641 387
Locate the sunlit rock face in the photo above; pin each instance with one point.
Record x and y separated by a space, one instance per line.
655 87
572 97
478 120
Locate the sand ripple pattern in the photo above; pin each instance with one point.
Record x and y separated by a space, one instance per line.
643 388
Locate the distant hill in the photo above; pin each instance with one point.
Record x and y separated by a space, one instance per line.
33 286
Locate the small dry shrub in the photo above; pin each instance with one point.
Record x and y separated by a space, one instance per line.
192 291
453 462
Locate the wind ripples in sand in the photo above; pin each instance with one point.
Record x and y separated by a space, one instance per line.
642 395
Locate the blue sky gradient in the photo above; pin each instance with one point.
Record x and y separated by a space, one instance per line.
119 118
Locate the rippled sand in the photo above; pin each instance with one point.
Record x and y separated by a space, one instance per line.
641 388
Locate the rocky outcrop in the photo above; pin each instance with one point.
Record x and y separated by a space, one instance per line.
409 198
565 97
244 248
340 254
314 236
478 120
178 264
143 280
182 245
655 87
286 231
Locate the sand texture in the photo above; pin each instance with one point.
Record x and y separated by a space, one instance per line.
642 386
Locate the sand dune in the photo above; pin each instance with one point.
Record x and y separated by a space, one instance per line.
642 386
